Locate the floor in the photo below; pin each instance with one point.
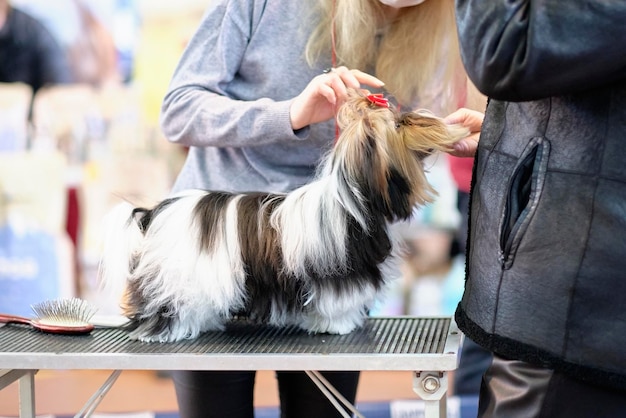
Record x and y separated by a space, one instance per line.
64 392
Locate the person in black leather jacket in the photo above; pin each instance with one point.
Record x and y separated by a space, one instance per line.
546 259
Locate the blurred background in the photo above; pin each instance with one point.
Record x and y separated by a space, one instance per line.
72 148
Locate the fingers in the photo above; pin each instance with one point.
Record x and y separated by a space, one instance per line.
354 78
319 100
328 91
465 147
340 79
472 120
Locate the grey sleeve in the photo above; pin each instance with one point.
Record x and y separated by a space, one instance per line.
520 50
201 107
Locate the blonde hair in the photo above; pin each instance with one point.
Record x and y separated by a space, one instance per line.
417 54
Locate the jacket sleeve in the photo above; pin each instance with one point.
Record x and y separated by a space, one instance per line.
519 50
199 108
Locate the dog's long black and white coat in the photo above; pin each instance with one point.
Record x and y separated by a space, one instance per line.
318 257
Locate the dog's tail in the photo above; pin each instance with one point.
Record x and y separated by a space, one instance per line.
121 239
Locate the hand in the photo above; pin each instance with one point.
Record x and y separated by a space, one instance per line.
321 97
471 119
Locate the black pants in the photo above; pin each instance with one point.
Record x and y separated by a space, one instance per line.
514 389
227 394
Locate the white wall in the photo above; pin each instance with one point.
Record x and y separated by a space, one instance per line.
169 7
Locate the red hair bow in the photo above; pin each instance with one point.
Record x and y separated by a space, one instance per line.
378 99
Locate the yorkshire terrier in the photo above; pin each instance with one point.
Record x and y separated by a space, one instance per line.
318 257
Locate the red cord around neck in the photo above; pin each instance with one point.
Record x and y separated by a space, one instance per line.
333 51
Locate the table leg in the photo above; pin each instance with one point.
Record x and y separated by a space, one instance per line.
26 391
332 394
27 395
432 387
95 399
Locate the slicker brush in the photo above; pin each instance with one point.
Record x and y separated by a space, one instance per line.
59 316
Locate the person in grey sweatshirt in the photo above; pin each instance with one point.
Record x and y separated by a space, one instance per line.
252 102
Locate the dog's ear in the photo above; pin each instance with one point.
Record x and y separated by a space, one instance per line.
425 133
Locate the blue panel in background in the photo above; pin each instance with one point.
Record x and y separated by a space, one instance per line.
468 408
28 269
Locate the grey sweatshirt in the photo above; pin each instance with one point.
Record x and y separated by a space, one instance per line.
229 99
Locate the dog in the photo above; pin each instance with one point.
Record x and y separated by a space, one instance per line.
318 257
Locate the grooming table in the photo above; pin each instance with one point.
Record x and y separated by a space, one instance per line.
428 346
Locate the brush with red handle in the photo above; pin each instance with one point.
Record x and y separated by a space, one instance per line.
60 316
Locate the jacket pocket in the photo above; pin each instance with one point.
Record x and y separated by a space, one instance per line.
524 190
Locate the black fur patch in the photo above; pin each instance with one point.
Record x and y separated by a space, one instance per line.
209 213
262 256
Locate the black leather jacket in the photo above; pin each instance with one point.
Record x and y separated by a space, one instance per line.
546 266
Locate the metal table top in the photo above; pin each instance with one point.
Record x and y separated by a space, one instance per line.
384 343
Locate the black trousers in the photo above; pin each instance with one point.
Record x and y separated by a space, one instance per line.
514 389
229 394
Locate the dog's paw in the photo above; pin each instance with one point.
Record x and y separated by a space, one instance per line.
322 325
